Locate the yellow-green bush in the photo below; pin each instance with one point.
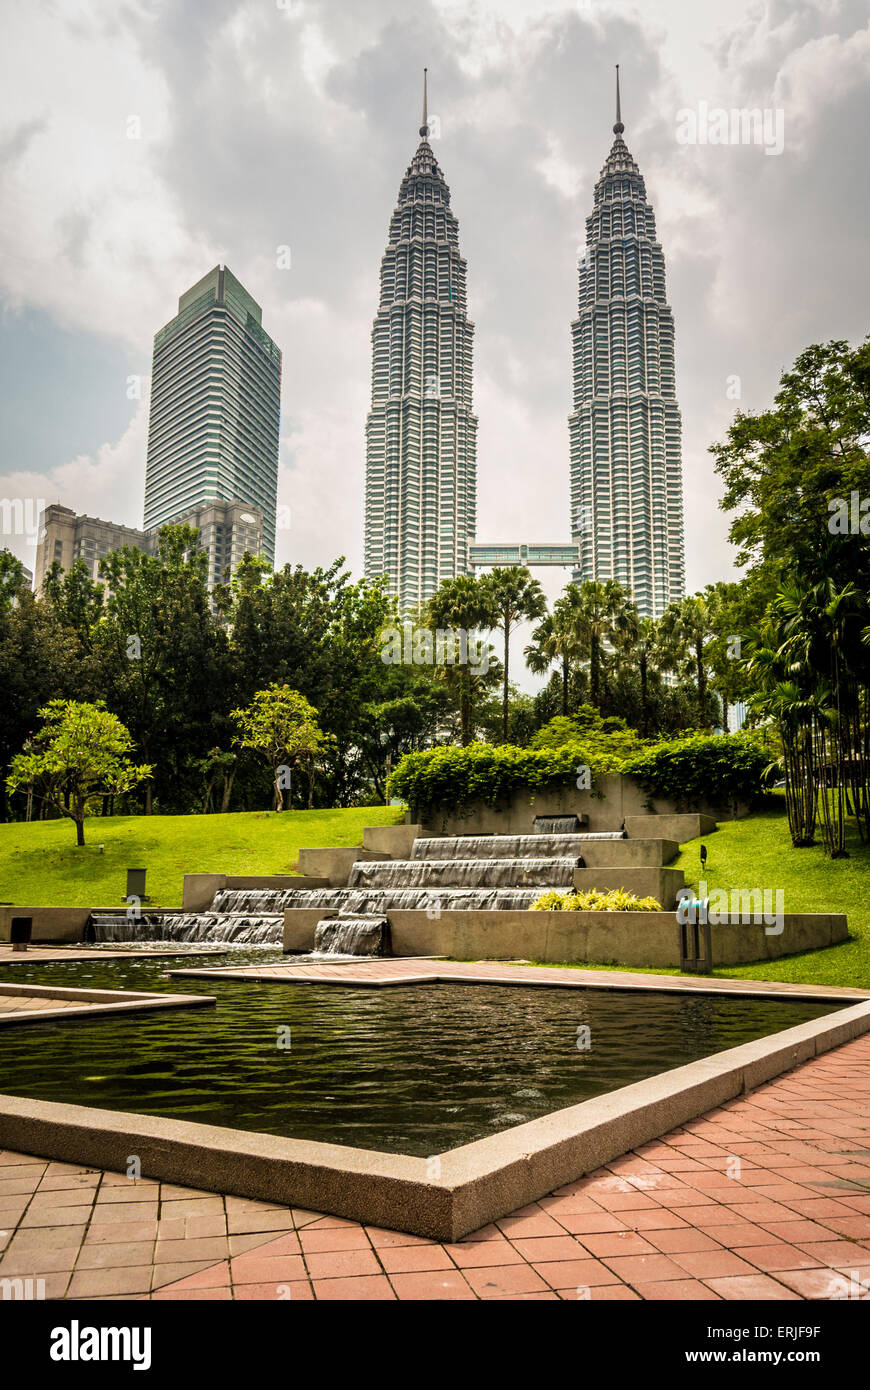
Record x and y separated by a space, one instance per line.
614 900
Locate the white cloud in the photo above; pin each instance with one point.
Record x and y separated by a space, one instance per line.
267 124
108 483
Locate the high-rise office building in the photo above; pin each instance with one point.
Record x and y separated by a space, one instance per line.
421 433
227 530
626 471
215 408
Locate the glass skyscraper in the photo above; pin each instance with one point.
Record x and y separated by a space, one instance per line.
626 470
421 434
215 408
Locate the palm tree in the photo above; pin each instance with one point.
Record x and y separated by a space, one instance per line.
821 627
461 605
601 610
637 642
552 640
782 696
686 627
513 596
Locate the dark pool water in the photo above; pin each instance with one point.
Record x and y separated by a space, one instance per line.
412 1070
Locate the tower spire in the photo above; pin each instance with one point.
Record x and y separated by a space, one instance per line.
424 129
619 127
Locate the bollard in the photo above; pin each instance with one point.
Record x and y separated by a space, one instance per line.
21 930
135 884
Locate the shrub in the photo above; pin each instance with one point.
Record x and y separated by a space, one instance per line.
688 771
723 768
614 900
455 777
609 735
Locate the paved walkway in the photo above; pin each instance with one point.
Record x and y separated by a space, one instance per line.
41 955
11 1004
29 1003
420 970
767 1197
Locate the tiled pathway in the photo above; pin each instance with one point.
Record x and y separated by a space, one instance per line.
421 970
43 1003
766 1197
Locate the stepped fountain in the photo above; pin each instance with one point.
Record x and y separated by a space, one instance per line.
464 873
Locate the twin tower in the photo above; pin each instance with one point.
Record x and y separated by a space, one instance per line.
421 433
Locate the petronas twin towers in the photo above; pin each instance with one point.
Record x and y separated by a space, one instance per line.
421 434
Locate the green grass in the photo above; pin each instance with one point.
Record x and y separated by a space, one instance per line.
757 853
40 864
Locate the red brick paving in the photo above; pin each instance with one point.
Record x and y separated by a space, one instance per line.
418 970
766 1197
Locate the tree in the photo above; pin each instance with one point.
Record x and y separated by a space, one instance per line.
280 724
39 661
164 661
12 579
81 752
687 627
600 611
217 764
76 598
638 643
514 597
785 468
557 639
462 607
734 609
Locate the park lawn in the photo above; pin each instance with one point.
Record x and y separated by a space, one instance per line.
757 852
40 864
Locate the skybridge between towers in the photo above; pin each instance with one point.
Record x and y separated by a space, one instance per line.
484 556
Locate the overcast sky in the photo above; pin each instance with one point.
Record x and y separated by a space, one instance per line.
262 125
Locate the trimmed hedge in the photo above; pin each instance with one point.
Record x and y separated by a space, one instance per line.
456 777
717 768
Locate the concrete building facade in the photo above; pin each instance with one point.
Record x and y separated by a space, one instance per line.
226 531
625 428
421 433
215 408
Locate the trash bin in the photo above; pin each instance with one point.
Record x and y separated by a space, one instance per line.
136 883
21 930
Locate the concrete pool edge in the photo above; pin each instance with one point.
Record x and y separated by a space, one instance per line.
443 1197
90 1003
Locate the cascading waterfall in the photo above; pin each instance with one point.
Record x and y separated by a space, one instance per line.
360 901
241 928
509 846
352 936
557 825
461 873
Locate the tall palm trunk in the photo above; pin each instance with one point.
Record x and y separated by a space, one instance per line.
504 706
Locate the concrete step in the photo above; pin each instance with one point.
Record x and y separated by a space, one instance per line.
335 864
395 841
680 826
644 882
624 854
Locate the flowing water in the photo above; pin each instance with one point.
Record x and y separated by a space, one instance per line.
239 927
353 936
556 825
508 846
461 873
406 1070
